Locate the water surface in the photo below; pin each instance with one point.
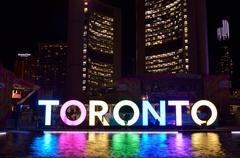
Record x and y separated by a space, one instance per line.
73 145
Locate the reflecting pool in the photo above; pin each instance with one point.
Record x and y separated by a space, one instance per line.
25 144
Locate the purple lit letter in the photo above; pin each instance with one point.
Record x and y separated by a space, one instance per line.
178 104
64 116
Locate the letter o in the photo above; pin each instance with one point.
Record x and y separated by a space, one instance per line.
119 105
210 105
64 116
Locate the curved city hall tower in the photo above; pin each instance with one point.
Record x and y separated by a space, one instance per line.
94 56
172 37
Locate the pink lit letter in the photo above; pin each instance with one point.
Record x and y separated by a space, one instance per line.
64 116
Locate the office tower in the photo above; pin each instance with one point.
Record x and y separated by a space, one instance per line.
171 37
223 53
24 66
51 69
94 58
225 63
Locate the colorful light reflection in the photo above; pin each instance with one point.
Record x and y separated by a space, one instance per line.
45 146
154 145
98 145
125 145
72 144
94 144
206 145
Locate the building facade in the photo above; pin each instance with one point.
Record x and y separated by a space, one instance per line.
224 56
50 68
171 37
24 67
94 56
14 93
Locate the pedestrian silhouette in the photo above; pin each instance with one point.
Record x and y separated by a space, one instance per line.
126 118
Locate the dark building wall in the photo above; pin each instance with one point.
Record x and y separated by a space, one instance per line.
74 55
129 38
117 59
216 89
140 42
50 69
6 86
172 87
198 37
24 67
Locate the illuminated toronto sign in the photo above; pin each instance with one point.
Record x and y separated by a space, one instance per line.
147 109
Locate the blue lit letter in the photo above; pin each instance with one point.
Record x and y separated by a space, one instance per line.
178 104
48 110
162 114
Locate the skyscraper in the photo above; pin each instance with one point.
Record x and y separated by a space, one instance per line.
225 63
223 53
24 66
94 58
51 69
172 37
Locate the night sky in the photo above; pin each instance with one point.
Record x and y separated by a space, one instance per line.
46 20
34 21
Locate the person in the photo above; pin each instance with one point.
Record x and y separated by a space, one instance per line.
206 116
126 118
